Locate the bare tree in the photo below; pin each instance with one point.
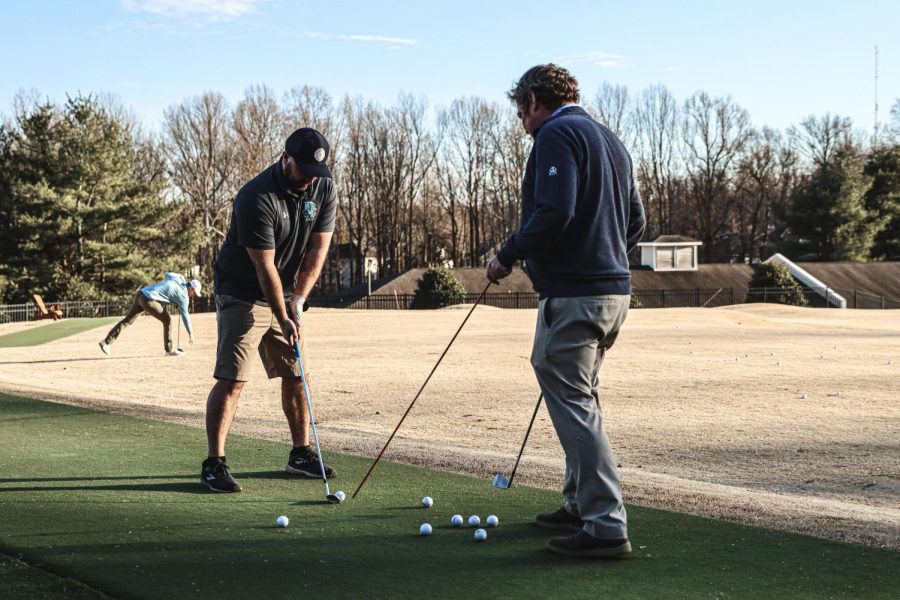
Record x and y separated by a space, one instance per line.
510 146
199 146
821 138
657 144
715 134
354 185
467 152
613 107
766 175
259 135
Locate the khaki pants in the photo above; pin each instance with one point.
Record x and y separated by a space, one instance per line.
570 340
140 305
244 327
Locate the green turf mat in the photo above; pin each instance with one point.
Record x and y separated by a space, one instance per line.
35 336
114 502
19 580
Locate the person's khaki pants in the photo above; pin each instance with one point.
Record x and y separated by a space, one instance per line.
140 305
244 327
571 338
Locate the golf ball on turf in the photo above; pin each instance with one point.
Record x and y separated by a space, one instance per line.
456 520
282 521
427 501
340 495
425 529
492 521
480 535
474 521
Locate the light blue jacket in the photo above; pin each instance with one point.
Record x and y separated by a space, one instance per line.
172 290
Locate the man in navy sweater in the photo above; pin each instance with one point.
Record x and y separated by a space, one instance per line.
581 215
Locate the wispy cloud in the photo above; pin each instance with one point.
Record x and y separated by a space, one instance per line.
378 39
393 42
214 9
597 58
672 69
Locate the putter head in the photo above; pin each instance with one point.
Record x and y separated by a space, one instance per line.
500 481
333 499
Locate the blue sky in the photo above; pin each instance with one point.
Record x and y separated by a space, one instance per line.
781 60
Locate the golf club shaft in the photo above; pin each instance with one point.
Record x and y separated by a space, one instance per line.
419 393
312 420
525 441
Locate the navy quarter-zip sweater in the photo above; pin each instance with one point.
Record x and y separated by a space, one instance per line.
581 210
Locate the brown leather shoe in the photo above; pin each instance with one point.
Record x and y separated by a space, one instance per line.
559 519
587 546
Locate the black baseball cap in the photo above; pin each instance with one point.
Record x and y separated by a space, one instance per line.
310 150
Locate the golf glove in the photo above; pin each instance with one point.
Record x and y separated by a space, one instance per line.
297 303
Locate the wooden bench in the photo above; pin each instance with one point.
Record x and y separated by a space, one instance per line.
42 312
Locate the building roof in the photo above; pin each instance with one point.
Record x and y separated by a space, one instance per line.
879 278
472 279
673 239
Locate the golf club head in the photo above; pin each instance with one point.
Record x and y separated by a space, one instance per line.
333 499
501 481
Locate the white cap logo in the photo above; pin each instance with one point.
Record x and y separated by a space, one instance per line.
319 155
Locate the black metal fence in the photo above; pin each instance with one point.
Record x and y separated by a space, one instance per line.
696 297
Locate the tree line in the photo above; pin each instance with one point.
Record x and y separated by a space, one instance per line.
93 205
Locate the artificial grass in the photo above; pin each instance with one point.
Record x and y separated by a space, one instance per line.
114 502
35 336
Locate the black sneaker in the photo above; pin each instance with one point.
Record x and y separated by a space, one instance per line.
583 545
214 475
305 462
559 519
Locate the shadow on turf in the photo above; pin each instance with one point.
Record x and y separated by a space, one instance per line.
67 360
192 487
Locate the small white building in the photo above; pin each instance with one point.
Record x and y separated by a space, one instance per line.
670 253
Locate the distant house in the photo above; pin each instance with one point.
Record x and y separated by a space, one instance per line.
670 253
345 258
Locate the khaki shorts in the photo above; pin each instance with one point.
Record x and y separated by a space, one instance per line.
243 326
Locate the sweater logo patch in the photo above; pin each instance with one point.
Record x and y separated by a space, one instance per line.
552 171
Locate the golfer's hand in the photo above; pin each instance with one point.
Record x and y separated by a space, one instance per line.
191 340
289 330
497 270
296 307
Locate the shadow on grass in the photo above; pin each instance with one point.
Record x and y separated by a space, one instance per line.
97 478
69 360
183 488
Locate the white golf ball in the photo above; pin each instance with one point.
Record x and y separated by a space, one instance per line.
474 521
340 495
425 529
480 535
427 501
456 520
492 521
282 521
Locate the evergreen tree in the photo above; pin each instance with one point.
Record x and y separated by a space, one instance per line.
883 200
83 219
827 214
438 288
772 282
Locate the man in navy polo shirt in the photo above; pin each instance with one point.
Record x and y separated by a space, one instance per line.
281 227
581 215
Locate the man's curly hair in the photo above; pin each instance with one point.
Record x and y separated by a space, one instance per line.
552 85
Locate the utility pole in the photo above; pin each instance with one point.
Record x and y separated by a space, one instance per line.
876 96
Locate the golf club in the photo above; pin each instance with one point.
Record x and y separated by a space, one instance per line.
419 393
178 343
332 498
500 480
